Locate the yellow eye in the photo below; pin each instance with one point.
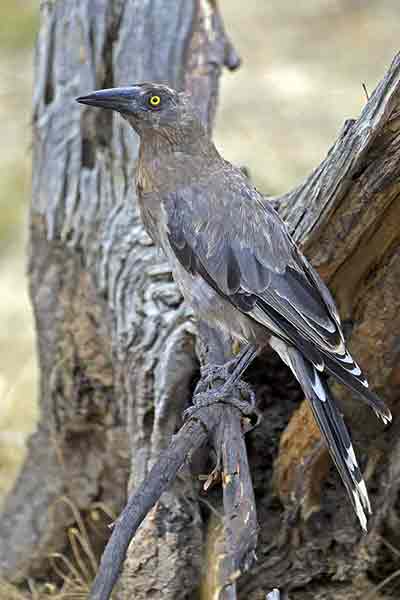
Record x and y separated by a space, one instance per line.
154 101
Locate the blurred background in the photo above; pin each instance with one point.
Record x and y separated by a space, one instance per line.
304 64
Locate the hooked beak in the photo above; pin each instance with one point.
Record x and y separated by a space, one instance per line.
121 99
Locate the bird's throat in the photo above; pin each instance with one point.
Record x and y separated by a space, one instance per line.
168 161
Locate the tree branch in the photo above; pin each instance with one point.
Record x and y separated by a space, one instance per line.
207 53
236 553
344 215
240 519
190 437
116 346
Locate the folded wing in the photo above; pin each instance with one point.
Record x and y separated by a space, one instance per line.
224 232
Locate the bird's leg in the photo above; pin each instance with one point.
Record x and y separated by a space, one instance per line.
211 372
230 374
230 371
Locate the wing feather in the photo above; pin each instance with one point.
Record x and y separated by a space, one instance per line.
241 246
222 230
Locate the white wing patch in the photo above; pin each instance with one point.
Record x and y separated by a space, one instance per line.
319 390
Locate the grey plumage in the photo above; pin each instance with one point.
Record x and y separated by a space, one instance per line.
332 427
235 261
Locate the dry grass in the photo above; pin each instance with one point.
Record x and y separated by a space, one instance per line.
391 581
72 571
10 592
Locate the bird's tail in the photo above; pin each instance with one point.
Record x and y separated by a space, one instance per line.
346 370
332 426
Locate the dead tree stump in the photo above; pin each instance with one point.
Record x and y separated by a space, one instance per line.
117 346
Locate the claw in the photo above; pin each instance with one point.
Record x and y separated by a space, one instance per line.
189 412
229 373
249 423
223 394
246 390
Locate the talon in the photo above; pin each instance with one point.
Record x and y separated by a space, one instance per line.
247 390
222 394
189 412
248 424
229 373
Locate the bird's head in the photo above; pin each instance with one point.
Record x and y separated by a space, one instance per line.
147 106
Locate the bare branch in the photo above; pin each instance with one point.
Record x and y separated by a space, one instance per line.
240 520
190 437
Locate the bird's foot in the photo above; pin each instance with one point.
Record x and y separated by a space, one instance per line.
218 383
224 394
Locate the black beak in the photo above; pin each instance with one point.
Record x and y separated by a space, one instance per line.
121 99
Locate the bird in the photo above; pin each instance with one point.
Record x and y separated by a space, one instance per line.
237 265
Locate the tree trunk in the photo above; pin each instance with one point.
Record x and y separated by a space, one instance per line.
117 346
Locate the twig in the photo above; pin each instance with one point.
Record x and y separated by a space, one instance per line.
213 48
382 584
190 437
223 423
237 551
239 503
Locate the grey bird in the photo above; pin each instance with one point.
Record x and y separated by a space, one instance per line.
236 264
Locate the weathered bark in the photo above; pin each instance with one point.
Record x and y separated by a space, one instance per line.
237 541
117 348
347 216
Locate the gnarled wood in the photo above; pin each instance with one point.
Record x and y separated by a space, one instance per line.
117 348
347 216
